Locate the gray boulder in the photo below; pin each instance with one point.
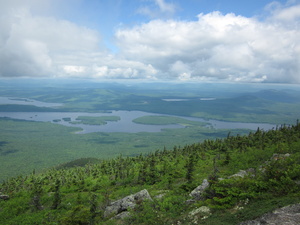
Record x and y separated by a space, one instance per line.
4 197
124 204
121 216
241 173
276 156
289 215
198 191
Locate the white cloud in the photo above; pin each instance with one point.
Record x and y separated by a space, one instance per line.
181 70
290 12
165 7
217 46
118 69
214 47
162 9
74 69
44 46
34 46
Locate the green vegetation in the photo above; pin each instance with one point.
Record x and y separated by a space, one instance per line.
90 120
78 192
37 145
29 146
91 170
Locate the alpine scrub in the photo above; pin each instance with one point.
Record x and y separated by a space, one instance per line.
80 191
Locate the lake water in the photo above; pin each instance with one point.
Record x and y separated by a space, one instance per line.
125 123
26 101
184 99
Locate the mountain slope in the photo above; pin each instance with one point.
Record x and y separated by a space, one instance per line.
79 192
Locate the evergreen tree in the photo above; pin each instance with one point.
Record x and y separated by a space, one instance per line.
152 176
57 196
142 173
190 169
93 208
36 195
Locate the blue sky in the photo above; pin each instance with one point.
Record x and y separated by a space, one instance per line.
182 40
108 15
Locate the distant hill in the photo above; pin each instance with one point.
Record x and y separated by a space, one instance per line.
277 96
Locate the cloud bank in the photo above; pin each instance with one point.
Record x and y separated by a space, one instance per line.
214 47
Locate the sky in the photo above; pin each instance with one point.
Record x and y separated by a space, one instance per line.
180 40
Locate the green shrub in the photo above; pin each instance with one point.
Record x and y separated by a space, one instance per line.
281 175
228 192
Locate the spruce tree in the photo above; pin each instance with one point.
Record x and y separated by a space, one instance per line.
93 208
36 195
57 196
190 169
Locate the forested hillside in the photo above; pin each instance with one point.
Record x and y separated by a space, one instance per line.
79 192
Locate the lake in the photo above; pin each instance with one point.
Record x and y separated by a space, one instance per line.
125 123
27 101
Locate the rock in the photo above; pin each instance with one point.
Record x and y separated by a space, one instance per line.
121 216
251 171
289 215
4 197
129 202
198 191
297 182
241 173
276 156
190 201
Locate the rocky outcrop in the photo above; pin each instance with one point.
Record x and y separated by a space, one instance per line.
277 156
4 197
241 173
121 215
197 193
120 207
289 215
